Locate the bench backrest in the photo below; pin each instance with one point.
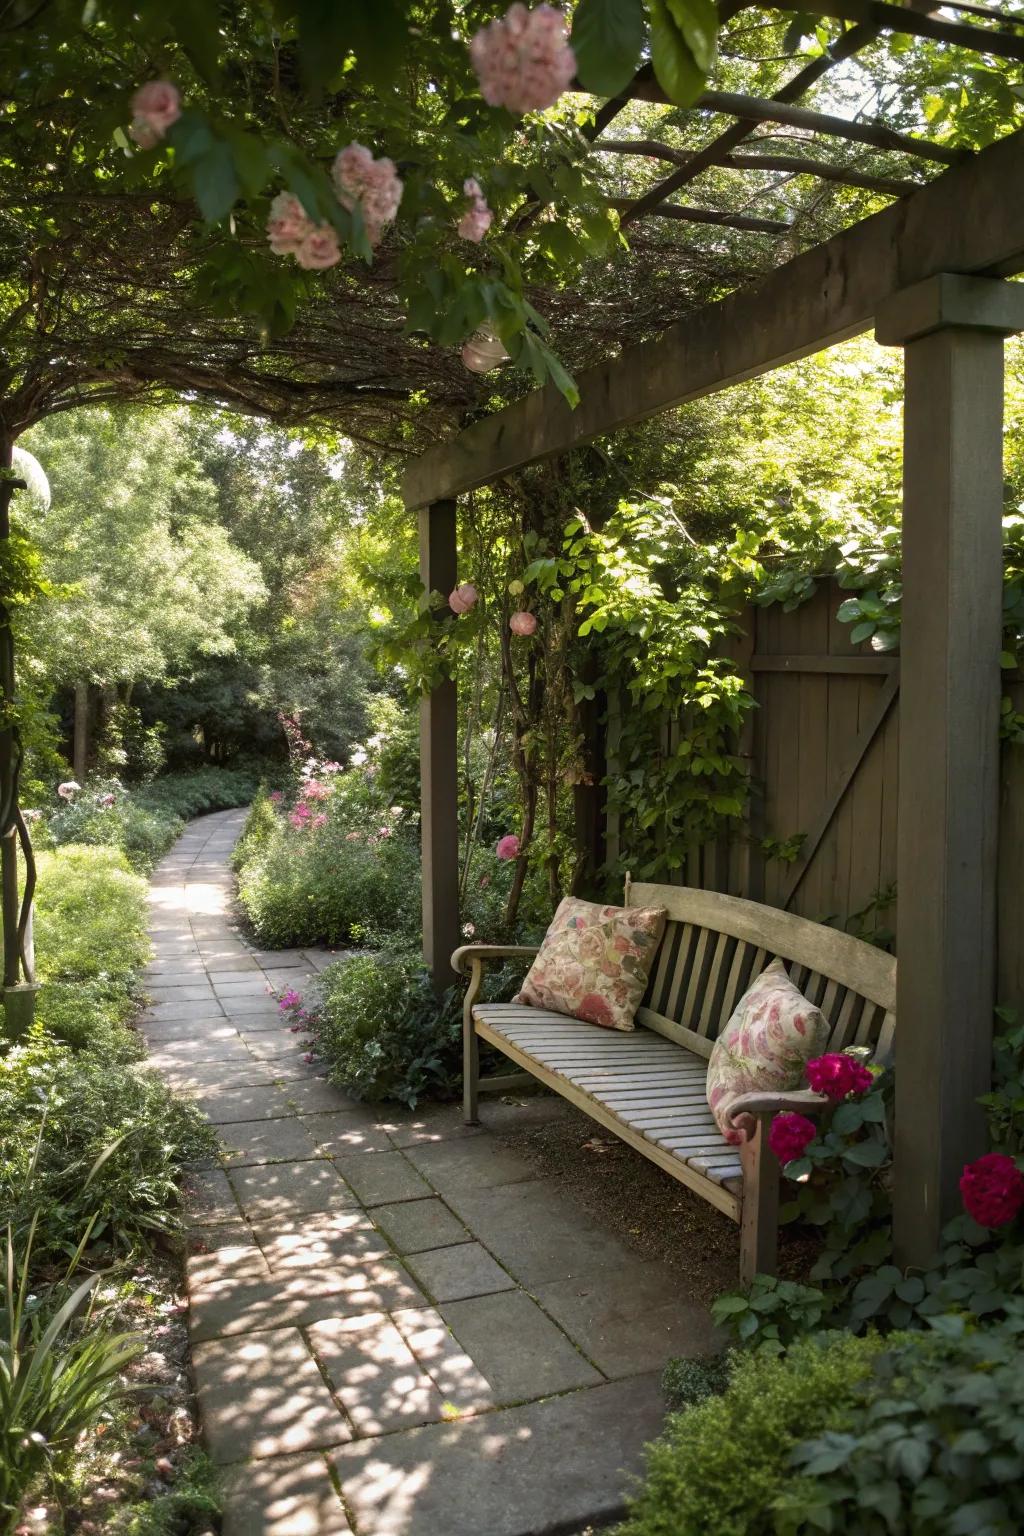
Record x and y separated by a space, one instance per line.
715 946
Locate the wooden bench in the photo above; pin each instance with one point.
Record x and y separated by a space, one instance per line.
649 1086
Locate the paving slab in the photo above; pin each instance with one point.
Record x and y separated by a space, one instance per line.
264 1396
536 1470
232 1102
286 1496
378 1379
209 1198
204 1076
184 1013
538 1232
191 991
630 1320
240 1261
430 1123
464 1389
450 1274
342 1132
333 1240
172 1053
475 1162
271 1191
520 1351
243 1306
266 1141
318 1096
379 1178
416 1225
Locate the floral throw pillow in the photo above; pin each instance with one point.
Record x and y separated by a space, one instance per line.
594 962
764 1047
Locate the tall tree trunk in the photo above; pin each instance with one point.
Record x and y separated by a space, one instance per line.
80 748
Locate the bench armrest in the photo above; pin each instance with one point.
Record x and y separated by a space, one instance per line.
464 957
803 1101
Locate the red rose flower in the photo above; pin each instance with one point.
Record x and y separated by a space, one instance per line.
992 1188
837 1075
790 1136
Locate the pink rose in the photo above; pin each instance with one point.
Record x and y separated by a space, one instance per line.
790 1136
276 797
463 598
523 623
837 1075
992 1188
288 225
524 61
320 820
372 184
155 106
508 846
319 249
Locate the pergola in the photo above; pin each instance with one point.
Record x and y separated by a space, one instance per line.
928 274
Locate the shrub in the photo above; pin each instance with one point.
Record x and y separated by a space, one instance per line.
261 825
931 1444
105 813
335 885
384 1032
90 935
200 791
687 1382
75 1106
720 1466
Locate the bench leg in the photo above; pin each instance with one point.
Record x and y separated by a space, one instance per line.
470 1068
759 1221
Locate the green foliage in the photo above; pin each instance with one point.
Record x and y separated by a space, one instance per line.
772 1311
56 1377
932 1445
720 1467
261 826
90 934
384 1032
688 1382
76 1105
191 1507
200 791
1004 1105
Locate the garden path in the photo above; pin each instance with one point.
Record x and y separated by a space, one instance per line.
398 1328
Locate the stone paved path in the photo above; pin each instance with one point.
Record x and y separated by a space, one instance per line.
398 1329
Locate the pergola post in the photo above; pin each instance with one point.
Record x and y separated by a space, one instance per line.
439 771
952 330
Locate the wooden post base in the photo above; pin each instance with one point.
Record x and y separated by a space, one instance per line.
19 1009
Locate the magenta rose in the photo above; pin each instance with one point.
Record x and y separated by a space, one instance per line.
837 1076
508 846
790 1136
992 1188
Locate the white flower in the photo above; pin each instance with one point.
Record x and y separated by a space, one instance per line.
68 790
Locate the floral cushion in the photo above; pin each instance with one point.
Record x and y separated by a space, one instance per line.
594 961
764 1047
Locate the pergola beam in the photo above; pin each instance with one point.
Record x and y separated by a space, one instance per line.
962 221
710 216
796 165
900 18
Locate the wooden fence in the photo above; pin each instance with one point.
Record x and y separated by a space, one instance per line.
823 746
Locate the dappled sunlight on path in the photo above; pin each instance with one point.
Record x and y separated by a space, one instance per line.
397 1328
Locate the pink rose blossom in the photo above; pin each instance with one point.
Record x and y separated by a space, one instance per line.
276 797
384 831
524 61
290 999
330 768
288 224
476 221
319 249
68 790
462 599
790 1136
523 623
319 820
837 1075
316 791
155 106
992 1188
508 846
372 184
106 801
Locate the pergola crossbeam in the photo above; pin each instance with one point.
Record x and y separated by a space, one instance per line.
913 23
795 165
690 215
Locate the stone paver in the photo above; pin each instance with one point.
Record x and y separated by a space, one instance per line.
356 1274
450 1274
